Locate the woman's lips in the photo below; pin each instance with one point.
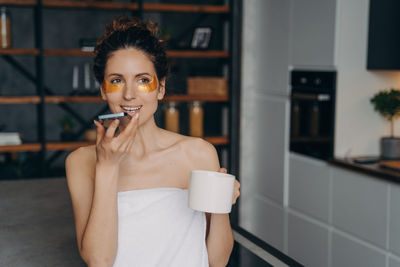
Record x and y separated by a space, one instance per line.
131 110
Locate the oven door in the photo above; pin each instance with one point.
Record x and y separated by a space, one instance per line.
311 129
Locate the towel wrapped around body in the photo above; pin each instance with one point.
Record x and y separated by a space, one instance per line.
157 228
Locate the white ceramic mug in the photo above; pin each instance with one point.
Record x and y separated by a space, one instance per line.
211 191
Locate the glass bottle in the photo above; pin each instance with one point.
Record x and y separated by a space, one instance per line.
5 28
314 126
172 118
295 125
196 119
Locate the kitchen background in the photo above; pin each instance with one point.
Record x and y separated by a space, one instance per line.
312 210
320 214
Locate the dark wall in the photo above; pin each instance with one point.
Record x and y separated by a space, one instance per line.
63 28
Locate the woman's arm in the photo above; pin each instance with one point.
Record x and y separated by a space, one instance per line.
219 236
95 200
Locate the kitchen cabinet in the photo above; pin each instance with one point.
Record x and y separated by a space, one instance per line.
312 43
383 35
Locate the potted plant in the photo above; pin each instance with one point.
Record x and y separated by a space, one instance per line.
66 124
387 103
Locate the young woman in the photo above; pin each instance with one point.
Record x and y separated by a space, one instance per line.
129 190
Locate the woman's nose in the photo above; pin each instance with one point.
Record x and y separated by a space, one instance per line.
129 91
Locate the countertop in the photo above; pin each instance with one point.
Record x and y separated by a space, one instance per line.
369 169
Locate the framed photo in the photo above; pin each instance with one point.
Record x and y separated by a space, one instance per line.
201 37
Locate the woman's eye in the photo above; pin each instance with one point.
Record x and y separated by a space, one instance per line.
115 81
144 80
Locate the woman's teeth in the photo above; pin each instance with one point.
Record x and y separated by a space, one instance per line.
130 109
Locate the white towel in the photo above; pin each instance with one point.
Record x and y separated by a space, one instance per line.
157 228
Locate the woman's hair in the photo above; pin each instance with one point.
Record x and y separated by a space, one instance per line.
125 32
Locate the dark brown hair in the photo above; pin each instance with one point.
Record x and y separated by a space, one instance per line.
126 32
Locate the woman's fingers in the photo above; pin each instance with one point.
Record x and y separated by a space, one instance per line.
99 131
236 192
111 129
223 170
130 129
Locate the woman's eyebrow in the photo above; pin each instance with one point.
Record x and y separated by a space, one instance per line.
114 74
143 73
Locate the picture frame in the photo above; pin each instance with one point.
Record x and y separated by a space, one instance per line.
201 38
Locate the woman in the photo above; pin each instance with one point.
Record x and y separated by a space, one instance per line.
128 191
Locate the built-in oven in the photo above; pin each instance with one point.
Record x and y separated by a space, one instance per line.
312 113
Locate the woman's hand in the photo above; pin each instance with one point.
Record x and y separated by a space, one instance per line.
236 191
110 149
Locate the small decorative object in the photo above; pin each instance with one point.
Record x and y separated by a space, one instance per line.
196 114
201 38
5 28
172 118
90 135
67 125
387 103
87 44
217 86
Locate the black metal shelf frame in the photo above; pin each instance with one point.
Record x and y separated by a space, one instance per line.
234 20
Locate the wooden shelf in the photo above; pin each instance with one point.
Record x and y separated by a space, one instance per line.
217 140
19 99
190 98
197 54
72 99
18 2
149 7
51 146
19 51
185 8
66 145
97 99
67 52
21 148
87 4
170 53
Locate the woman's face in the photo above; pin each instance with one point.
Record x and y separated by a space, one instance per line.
131 85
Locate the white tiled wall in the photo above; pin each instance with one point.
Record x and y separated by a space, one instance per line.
309 187
394 262
360 206
266 221
308 241
394 226
364 229
347 252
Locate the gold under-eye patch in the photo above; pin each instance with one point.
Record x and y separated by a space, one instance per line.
149 87
112 87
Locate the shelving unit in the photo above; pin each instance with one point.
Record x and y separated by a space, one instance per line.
55 146
45 95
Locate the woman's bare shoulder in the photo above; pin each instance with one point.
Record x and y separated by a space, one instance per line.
201 153
81 160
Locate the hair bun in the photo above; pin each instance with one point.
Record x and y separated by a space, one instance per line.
124 23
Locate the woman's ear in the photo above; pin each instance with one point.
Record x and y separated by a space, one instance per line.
161 90
103 95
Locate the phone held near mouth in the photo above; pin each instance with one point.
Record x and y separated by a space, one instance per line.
107 119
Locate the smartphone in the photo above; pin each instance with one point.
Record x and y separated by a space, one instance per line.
107 119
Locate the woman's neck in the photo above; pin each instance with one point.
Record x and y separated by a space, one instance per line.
147 139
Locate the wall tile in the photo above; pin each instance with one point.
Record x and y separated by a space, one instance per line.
308 242
348 252
360 205
394 230
309 186
263 219
394 262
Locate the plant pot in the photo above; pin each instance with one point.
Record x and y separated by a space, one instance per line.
390 148
67 136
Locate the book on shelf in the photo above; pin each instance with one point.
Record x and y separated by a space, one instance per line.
10 138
